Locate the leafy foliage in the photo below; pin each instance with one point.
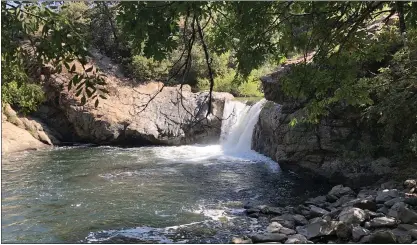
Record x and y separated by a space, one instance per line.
35 33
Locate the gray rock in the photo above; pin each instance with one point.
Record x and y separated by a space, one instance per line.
407 215
300 219
296 239
382 222
274 227
364 204
303 210
411 201
252 210
254 215
287 231
367 225
352 216
340 190
382 237
366 193
407 227
274 210
393 212
415 242
344 231
342 200
410 183
365 239
314 220
413 233
358 232
402 236
268 237
249 205
374 214
237 240
331 198
316 201
383 210
391 202
286 220
386 195
317 229
317 212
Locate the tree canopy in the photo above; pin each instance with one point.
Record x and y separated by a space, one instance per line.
361 51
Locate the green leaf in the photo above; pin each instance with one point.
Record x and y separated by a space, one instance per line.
83 100
72 68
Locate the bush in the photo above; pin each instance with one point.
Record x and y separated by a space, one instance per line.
236 85
145 69
26 97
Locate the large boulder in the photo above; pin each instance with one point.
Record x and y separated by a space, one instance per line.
16 139
136 114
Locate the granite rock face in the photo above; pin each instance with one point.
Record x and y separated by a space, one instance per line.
132 114
319 148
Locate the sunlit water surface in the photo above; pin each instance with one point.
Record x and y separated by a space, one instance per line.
109 194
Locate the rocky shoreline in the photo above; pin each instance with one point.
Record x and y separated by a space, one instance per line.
374 214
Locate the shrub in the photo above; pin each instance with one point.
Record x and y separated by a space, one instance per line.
236 85
145 69
26 97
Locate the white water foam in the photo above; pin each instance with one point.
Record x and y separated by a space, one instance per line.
240 121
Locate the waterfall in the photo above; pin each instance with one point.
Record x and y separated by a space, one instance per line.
237 129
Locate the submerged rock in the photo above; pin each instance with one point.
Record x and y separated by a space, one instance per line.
268 237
